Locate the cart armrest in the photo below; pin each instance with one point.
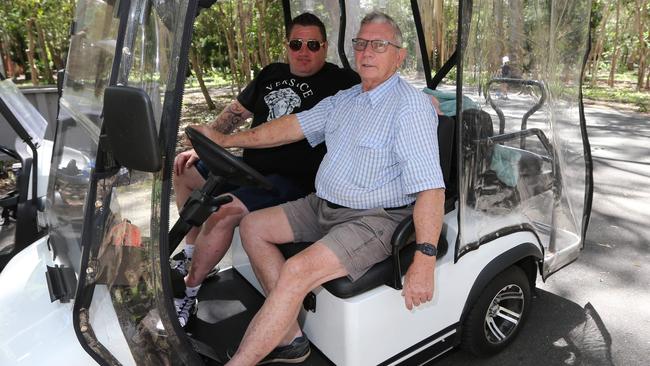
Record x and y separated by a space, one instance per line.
403 236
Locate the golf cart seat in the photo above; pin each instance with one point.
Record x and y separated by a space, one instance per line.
389 271
502 171
8 202
8 207
382 273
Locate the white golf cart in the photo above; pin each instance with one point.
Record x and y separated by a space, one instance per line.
98 287
25 151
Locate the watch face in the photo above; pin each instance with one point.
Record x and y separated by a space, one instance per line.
428 249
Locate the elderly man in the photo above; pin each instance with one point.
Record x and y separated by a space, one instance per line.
382 155
278 90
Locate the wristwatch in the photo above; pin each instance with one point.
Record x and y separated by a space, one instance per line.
427 249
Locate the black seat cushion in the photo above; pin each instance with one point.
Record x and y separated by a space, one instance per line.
9 200
447 153
379 274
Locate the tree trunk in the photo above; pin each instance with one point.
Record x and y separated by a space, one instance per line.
197 66
426 12
244 17
612 71
8 61
434 33
630 59
333 36
439 28
598 49
353 11
30 53
232 56
501 50
56 56
226 28
641 9
43 53
516 37
3 59
262 36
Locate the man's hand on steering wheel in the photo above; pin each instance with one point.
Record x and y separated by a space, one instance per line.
219 161
184 160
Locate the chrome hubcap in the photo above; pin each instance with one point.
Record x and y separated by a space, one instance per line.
503 314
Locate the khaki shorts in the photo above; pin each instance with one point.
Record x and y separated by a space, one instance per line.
359 238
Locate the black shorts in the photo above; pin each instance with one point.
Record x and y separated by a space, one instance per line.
255 198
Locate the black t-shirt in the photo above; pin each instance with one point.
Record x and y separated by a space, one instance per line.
276 92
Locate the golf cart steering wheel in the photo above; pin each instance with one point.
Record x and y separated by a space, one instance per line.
223 164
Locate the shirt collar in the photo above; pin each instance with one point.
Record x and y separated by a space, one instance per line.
380 92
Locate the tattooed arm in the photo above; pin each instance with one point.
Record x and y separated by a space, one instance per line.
231 117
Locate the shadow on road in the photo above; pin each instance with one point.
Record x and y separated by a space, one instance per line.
557 332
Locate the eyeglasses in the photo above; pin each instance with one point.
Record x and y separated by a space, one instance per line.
377 45
312 44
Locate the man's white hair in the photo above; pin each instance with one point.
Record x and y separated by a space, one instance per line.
381 18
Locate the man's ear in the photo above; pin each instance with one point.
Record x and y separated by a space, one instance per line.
401 56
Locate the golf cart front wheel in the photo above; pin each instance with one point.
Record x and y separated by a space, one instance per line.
498 314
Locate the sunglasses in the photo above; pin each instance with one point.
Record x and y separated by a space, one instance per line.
312 44
377 45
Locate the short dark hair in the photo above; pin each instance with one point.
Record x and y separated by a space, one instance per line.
307 19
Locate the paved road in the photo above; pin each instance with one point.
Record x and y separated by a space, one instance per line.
597 310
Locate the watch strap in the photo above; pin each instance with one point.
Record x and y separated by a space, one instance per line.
427 249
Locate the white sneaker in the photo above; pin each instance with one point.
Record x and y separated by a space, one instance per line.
184 308
181 263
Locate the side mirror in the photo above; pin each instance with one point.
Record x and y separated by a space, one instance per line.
130 127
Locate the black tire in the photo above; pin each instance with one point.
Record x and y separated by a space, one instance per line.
495 319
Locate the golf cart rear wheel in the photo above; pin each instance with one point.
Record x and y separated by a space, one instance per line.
498 314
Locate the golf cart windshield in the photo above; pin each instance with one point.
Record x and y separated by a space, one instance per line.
524 164
119 207
92 49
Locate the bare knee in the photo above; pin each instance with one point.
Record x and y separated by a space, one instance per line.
310 268
223 221
297 266
187 181
296 274
264 227
184 181
250 226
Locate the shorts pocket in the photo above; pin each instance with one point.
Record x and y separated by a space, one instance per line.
375 244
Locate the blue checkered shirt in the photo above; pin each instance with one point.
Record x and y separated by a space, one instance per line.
382 147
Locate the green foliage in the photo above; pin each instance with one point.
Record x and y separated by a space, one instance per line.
215 27
212 79
52 17
620 43
619 95
222 20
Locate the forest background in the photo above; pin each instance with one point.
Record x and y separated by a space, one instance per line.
34 37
